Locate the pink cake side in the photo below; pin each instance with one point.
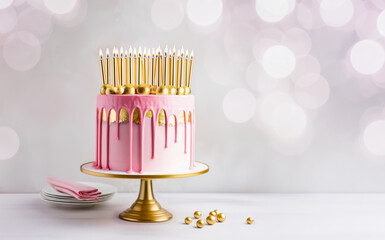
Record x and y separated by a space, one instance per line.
147 146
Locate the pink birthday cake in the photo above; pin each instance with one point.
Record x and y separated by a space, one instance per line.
145 114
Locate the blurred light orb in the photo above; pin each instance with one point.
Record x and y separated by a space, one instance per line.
37 22
238 40
273 10
9 142
298 41
257 78
239 105
336 13
75 16
304 66
288 121
60 6
374 137
167 14
278 61
381 23
268 102
5 3
204 12
312 91
367 56
8 20
21 51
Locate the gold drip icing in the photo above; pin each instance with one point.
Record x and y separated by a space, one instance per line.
124 117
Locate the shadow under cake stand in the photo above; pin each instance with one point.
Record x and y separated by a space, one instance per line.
145 208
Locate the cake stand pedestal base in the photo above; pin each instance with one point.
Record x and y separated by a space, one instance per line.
145 208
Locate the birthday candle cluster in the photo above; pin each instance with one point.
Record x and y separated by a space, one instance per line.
146 72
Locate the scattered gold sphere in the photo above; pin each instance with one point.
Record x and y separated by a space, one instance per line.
162 90
221 217
172 90
212 213
153 89
143 89
119 89
187 90
250 220
110 90
211 220
200 223
180 91
197 214
129 89
187 220
217 211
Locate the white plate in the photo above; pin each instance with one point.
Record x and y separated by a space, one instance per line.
105 189
51 195
73 205
72 199
75 201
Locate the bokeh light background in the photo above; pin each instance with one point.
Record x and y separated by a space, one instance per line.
290 95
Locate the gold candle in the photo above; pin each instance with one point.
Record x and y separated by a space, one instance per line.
130 65
153 67
169 75
144 66
107 67
159 59
120 67
125 68
102 66
177 70
190 68
181 68
139 66
114 67
173 67
134 79
185 68
164 69
148 67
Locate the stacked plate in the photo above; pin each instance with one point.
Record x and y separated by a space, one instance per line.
51 195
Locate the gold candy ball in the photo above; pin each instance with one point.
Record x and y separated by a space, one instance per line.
250 220
143 89
153 89
211 220
221 217
200 223
162 90
129 89
103 89
180 91
213 213
110 90
187 90
172 90
217 211
187 220
119 90
197 214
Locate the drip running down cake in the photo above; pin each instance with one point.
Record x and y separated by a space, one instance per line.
145 115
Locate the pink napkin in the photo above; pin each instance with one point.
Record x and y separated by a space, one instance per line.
76 189
72 193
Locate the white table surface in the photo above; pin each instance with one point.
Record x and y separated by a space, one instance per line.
277 216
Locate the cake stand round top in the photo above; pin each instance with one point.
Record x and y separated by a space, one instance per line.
200 168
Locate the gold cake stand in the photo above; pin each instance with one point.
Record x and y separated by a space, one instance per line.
145 208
